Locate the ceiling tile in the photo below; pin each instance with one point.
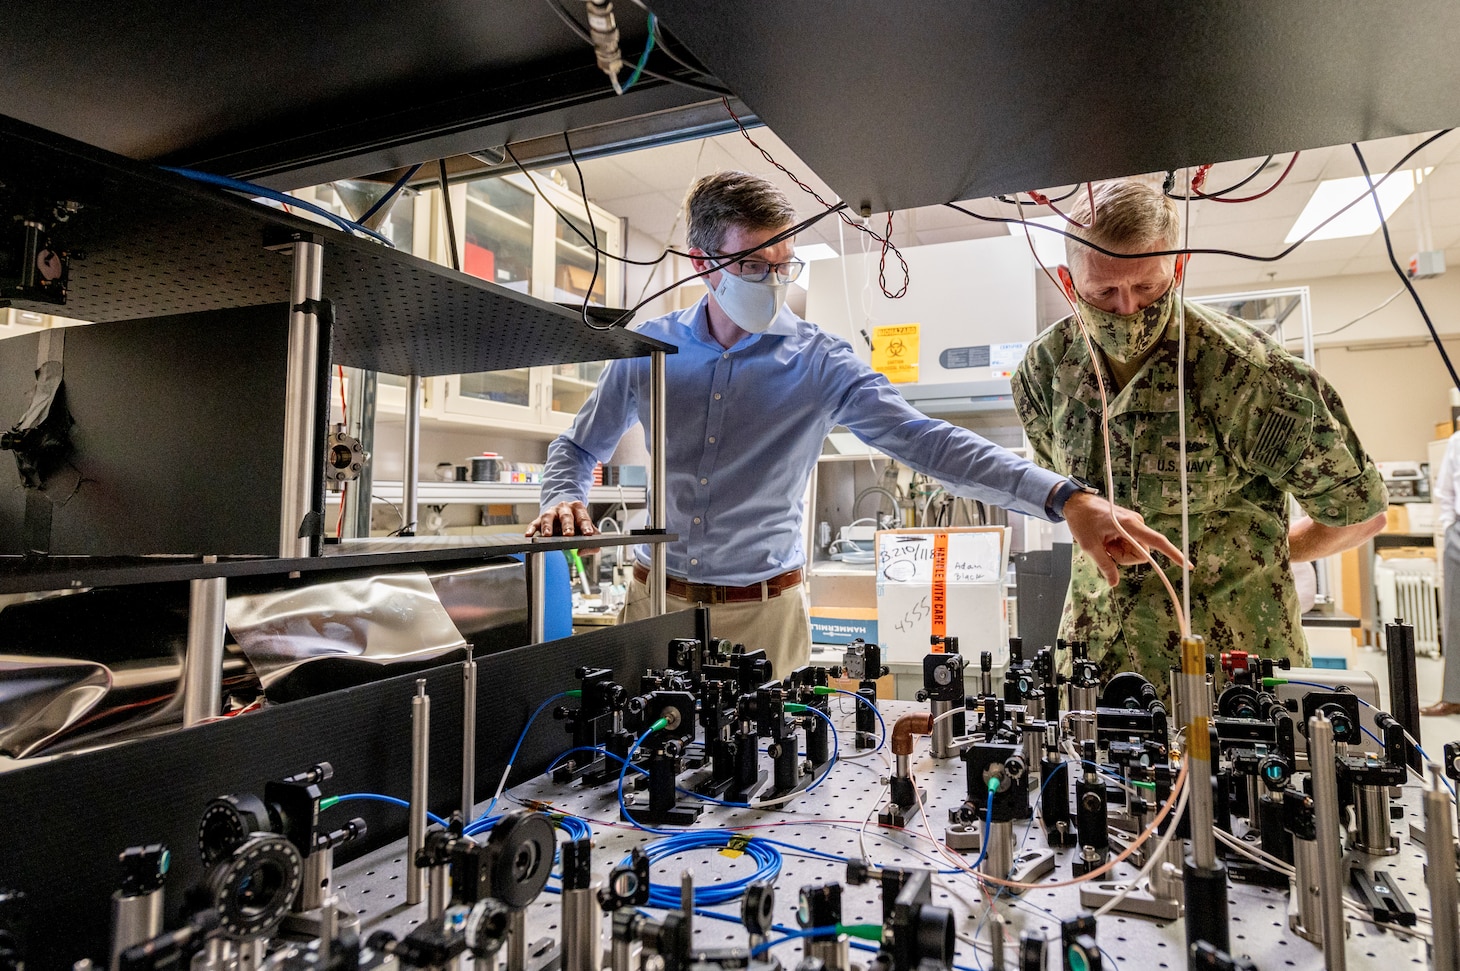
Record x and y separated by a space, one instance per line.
652 212
608 180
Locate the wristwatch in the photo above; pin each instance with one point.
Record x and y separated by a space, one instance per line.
1054 506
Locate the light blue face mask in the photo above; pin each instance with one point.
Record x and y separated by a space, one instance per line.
753 306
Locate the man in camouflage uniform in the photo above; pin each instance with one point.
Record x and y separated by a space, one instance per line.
1260 425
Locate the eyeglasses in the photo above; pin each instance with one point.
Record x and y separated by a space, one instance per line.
758 271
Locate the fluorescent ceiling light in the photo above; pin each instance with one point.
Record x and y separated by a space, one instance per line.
1049 247
1359 219
812 252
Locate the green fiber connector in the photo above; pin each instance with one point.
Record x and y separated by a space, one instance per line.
1273 682
867 932
994 783
794 708
328 802
659 725
822 689
575 693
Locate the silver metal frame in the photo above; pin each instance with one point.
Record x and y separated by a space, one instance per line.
300 420
420 779
203 664
658 501
411 474
537 597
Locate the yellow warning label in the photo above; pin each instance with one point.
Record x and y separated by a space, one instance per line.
895 352
735 846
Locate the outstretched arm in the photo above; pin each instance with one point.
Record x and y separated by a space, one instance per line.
1093 524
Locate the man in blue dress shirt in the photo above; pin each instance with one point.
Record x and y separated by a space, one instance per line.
751 396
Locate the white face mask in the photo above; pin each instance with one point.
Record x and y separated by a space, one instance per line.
753 306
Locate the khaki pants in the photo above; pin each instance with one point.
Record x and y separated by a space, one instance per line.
780 626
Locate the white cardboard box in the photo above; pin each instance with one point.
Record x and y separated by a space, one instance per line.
970 587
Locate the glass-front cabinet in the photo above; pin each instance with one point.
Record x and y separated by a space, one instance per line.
512 236
509 234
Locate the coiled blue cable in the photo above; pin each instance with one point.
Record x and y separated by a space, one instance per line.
767 858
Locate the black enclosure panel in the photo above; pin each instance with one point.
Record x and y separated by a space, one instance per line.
307 93
914 104
154 243
176 441
1042 578
64 822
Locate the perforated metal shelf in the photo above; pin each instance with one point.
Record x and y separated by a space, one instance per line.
24 575
151 243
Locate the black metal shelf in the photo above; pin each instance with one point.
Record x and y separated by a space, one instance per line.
153 243
29 575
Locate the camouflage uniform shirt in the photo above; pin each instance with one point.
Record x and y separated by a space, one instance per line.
1260 423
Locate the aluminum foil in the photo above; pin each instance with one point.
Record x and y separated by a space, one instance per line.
40 698
381 619
483 598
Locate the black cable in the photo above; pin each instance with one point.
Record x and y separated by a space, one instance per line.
592 230
570 20
586 241
1394 262
1067 195
724 261
685 82
1194 197
1253 257
583 35
450 220
663 48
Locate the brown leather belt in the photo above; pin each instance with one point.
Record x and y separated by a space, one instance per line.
709 593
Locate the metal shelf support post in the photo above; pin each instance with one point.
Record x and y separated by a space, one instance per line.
300 420
202 685
411 474
537 597
658 500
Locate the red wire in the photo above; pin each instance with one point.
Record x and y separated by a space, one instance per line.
886 241
1199 180
1041 199
343 420
1253 198
340 523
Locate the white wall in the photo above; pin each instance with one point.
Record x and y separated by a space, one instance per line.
1385 367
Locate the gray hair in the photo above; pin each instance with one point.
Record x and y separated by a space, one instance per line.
1130 217
717 202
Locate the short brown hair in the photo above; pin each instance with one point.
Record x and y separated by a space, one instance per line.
1130 217
717 202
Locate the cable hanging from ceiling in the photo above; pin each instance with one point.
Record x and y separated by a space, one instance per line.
884 239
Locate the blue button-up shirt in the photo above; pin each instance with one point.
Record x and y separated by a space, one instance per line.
745 428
